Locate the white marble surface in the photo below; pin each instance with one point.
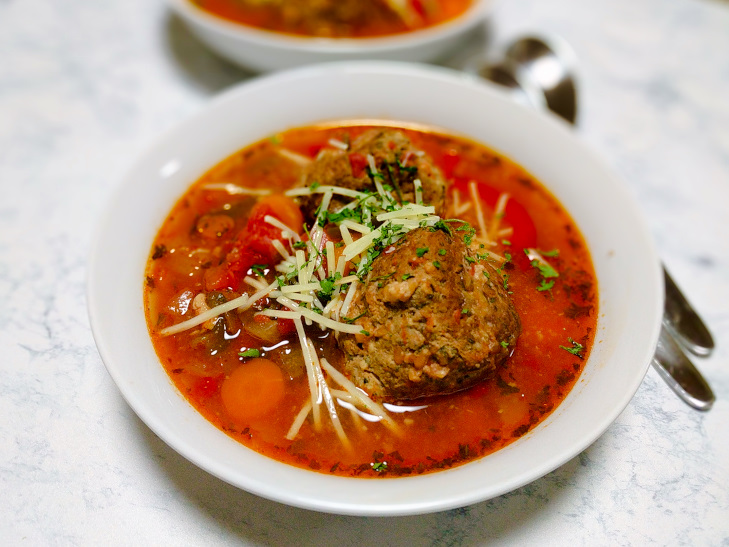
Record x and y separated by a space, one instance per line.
86 85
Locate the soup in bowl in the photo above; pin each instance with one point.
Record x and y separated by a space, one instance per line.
280 34
360 304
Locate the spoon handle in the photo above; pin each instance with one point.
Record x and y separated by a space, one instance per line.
680 373
683 322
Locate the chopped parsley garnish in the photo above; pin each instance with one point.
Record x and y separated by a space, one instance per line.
442 252
405 168
259 269
576 348
465 311
545 285
373 175
505 242
299 245
379 466
314 185
504 344
338 217
406 276
353 319
436 264
470 232
327 285
553 252
249 353
545 269
441 225
365 332
420 251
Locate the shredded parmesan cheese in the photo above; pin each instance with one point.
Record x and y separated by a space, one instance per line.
298 159
234 189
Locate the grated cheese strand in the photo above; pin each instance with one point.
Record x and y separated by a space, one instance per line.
328 401
307 190
299 420
285 230
311 376
476 200
298 159
234 189
498 214
241 303
359 395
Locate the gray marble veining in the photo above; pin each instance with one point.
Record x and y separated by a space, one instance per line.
86 86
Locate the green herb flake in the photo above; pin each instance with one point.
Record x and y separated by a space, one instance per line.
259 269
436 264
353 319
576 348
442 252
249 353
552 253
406 276
545 269
505 242
379 466
546 285
299 245
504 344
314 185
441 225
365 332
327 285
420 251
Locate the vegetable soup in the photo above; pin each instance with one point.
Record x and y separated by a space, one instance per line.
371 300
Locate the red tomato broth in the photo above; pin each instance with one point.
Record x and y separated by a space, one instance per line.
450 430
374 22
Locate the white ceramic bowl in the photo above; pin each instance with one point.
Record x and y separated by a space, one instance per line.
628 271
265 50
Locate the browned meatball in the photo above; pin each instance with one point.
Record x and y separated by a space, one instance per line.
395 158
436 320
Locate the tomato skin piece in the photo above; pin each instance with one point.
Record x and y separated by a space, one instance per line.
206 387
285 326
357 162
254 243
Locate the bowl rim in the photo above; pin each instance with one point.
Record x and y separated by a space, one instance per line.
389 490
338 46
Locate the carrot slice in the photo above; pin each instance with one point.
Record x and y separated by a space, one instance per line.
254 389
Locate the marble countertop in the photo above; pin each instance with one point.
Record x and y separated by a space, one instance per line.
86 86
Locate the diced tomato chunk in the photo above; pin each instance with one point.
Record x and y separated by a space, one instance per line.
285 326
206 387
357 162
254 243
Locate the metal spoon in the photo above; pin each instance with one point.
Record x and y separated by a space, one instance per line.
548 65
680 373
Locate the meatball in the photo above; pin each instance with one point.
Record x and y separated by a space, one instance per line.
396 160
436 320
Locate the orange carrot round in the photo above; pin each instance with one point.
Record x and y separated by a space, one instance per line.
254 389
